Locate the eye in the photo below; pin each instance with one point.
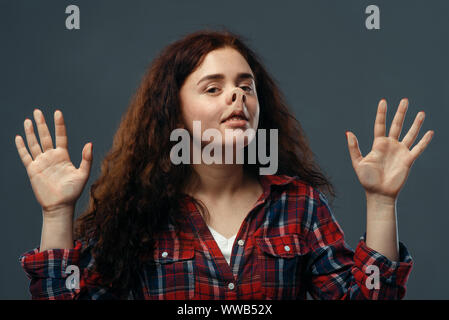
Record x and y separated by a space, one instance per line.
249 88
209 90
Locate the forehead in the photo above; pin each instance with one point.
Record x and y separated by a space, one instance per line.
227 61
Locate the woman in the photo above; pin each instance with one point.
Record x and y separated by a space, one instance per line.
159 230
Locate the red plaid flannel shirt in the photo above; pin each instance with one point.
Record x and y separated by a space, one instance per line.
289 244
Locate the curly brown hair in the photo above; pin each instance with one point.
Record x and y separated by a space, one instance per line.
138 192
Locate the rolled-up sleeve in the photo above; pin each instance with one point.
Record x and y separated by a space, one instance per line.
335 271
47 273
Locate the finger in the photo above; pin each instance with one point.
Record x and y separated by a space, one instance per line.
354 150
34 146
422 144
414 130
381 116
398 120
60 130
87 156
42 129
23 152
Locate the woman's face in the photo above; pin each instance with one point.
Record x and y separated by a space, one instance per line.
223 84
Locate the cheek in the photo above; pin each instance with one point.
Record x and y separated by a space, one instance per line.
207 113
255 112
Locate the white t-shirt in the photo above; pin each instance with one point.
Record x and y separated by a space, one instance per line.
224 244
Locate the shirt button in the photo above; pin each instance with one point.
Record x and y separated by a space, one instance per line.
164 254
241 242
287 248
231 286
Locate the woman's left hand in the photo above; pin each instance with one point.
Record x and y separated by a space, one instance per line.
384 170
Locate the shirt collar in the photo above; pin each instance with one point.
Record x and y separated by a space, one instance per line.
278 180
267 181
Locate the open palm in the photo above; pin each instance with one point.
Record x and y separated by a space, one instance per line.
385 168
54 179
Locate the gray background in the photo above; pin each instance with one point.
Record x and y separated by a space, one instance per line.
332 70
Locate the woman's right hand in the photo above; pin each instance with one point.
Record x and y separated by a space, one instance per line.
56 183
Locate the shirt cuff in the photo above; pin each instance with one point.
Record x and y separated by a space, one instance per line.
392 272
50 263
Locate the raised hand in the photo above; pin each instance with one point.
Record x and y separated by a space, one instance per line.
385 169
55 181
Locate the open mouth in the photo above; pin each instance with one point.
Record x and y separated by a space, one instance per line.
236 121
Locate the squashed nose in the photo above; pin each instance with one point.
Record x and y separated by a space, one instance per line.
238 94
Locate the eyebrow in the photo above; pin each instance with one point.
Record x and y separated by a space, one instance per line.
220 76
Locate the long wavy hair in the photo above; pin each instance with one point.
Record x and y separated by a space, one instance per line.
138 192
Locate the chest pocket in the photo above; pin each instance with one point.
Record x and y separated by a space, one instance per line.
170 275
281 263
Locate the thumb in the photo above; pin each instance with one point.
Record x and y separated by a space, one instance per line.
353 146
86 162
